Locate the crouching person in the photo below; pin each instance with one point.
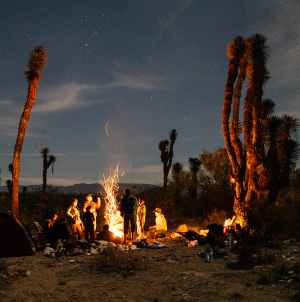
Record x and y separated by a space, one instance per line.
160 227
59 230
107 235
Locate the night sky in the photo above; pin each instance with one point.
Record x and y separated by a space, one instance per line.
121 74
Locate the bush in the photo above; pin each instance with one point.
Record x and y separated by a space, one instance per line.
265 257
114 260
282 217
272 274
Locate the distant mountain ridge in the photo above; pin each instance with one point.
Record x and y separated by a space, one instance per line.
84 188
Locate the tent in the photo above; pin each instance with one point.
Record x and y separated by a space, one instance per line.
14 239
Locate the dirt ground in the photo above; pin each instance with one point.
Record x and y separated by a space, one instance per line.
175 273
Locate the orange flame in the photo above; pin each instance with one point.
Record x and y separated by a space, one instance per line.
111 213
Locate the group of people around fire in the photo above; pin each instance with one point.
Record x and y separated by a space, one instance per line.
132 210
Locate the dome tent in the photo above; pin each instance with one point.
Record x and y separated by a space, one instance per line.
14 239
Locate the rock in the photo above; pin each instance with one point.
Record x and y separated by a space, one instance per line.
75 252
83 243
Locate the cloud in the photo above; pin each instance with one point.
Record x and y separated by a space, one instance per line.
283 34
146 169
63 97
74 95
8 125
139 82
168 24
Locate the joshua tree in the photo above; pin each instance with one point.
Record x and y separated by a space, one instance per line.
166 155
9 182
36 64
24 190
194 164
177 169
48 160
264 159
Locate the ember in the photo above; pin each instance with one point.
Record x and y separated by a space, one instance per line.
112 214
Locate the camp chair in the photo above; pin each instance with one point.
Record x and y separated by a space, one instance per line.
38 226
41 237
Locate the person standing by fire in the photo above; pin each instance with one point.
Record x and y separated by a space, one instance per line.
129 206
74 213
94 207
141 216
88 222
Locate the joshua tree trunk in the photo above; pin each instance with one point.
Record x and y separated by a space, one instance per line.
166 155
47 162
194 164
254 168
36 64
32 90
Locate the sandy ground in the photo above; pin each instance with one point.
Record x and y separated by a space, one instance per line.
176 273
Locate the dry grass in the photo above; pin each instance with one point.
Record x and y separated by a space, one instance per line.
113 259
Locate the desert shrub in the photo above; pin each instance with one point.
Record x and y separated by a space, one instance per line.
5 201
280 217
113 259
272 274
296 267
265 256
3 274
3 268
296 297
218 216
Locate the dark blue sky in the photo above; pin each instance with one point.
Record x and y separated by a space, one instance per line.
137 69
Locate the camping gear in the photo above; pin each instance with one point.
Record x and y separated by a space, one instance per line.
14 239
191 235
209 254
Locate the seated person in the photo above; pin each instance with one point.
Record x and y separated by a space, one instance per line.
160 227
106 234
215 236
59 230
43 236
49 222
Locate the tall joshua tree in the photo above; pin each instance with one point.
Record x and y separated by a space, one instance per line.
48 160
36 64
166 155
194 165
263 161
177 169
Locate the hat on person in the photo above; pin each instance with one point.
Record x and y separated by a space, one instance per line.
90 195
158 210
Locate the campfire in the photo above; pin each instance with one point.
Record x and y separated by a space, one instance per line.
112 214
230 223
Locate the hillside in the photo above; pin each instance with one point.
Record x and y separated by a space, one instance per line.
80 188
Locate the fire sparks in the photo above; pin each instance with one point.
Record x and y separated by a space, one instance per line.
106 129
112 214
